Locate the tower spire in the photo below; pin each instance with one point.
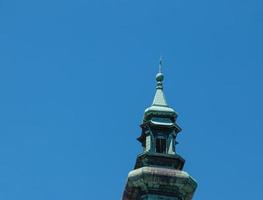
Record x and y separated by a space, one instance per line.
159 98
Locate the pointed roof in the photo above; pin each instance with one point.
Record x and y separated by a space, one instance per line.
159 105
159 99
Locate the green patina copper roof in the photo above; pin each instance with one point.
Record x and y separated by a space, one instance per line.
159 98
159 104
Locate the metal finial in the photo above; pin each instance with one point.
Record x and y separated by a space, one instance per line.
159 75
160 64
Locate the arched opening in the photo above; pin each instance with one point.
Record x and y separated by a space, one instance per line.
160 145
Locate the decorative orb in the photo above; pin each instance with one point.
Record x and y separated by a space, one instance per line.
159 77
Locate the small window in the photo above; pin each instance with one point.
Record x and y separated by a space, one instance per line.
160 145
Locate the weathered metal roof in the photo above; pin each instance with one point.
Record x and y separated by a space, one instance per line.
159 104
159 98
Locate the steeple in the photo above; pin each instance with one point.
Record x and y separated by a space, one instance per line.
159 107
159 128
158 169
159 98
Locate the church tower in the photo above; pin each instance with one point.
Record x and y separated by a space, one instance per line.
158 173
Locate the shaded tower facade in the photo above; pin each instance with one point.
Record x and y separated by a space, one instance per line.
158 173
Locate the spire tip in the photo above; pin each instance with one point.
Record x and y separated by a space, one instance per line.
160 64
159 75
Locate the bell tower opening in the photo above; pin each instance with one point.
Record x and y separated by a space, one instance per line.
160 144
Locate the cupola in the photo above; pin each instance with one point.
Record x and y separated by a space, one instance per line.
159 127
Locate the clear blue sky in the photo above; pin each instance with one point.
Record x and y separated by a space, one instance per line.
76 76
